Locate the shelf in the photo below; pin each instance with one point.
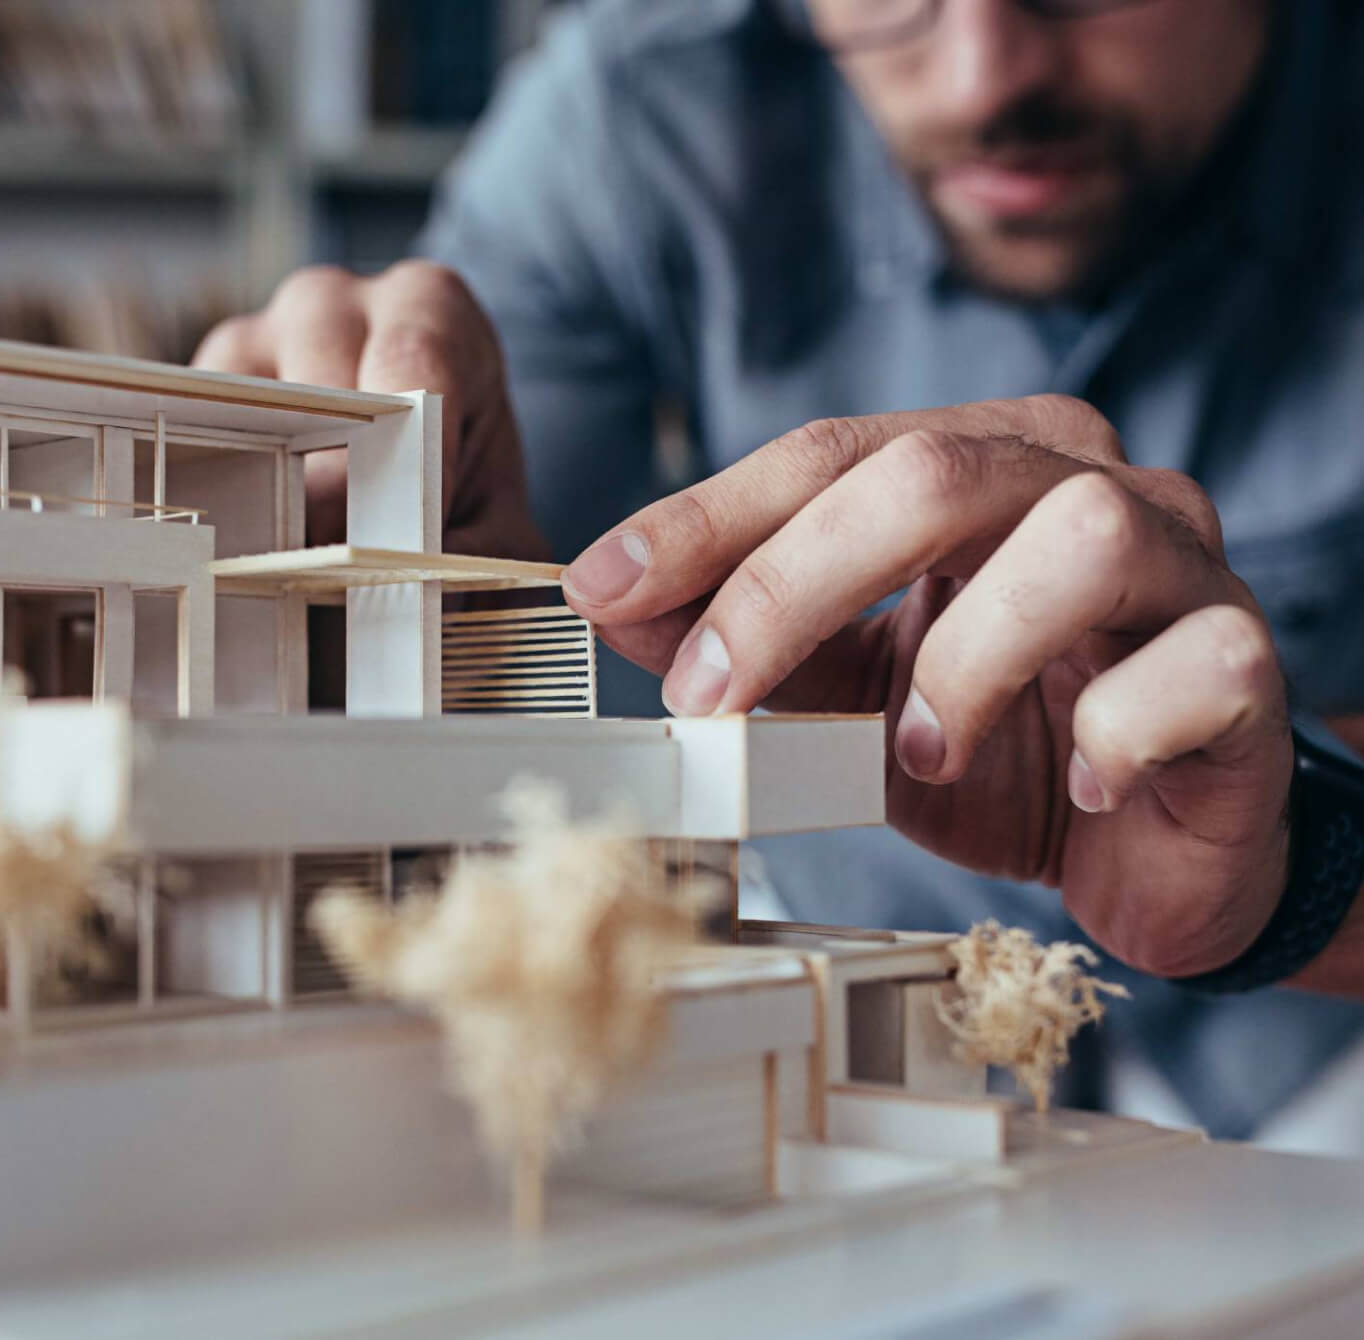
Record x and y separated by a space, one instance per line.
53 160
337 567
406 157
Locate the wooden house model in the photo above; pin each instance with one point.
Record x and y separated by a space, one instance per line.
153 562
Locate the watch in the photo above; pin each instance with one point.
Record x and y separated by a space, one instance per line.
1325 872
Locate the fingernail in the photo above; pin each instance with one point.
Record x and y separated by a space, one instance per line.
1085 792
609 569
920 744
699 677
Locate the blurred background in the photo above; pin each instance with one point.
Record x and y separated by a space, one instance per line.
165 162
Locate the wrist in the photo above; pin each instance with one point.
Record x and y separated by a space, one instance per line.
1325 875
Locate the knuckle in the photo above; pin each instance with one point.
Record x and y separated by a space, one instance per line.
823 449
1100 735
407 344
930 467
230 343
1100 514
1241 643
692 520
1191 504
314 286
428 278
1074 422
763 589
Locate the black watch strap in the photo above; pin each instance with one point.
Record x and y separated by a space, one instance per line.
1325 872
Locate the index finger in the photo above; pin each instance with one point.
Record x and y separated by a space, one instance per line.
688 544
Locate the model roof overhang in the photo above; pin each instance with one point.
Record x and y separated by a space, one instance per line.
337 567
62 380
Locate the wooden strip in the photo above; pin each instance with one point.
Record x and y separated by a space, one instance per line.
496 660
485 697
342 561
565 713
592 699
563 649
146 931
771 1124
159 464
817 1076
134 374
501 616
535 641
512 657
100 503
465 685
511 632
511 685
19 978
515 658
540 688
511 641
73 424
101 487
512 627
499 692
477 678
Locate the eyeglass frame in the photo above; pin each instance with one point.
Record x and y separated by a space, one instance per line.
915 26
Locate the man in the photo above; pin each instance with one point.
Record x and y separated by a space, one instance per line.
777 213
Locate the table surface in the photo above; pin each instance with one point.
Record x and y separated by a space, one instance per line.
1188 1240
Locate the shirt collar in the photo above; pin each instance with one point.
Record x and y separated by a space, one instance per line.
1275 204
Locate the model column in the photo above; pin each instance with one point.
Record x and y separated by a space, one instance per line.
394 502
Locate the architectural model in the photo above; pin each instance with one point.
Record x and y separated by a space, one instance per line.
218 1086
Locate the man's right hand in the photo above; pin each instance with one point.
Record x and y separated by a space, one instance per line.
414 327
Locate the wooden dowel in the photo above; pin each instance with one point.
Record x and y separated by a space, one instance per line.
159 465
528 1191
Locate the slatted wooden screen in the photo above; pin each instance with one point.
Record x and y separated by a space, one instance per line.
314 973
524 662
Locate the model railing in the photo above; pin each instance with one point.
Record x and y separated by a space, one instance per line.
42 502
519 662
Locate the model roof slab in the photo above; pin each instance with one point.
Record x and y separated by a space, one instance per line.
263 783
66 382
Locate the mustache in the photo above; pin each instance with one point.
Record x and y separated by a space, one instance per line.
1039 122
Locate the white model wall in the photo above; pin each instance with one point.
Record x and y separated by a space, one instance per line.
246 656
279 1132
211 935
235 488
63 468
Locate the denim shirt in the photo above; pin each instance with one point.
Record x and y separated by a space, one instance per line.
679 201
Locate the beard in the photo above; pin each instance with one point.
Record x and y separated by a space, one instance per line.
1112 195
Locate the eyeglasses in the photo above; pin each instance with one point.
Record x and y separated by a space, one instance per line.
867 24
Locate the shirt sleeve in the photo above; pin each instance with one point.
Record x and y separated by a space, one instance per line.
539 220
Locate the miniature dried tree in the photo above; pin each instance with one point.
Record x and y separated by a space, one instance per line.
52 881
541 964
1017 1004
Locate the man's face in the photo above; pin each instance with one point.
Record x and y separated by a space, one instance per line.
1046 147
